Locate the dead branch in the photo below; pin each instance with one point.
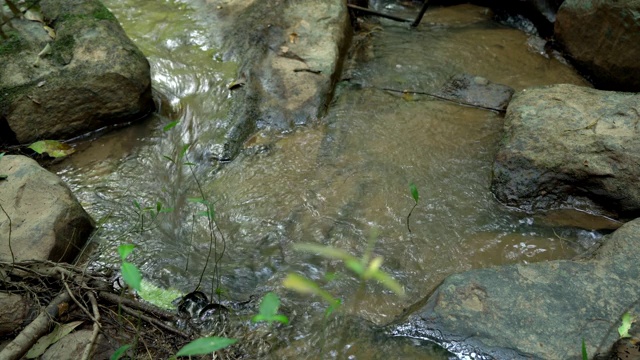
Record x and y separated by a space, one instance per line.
96 327
38 327
119 300
153 321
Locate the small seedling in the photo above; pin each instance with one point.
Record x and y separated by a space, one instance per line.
416 196
584 351
130 273
269 310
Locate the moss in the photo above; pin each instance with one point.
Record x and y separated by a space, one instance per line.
11 45
102 13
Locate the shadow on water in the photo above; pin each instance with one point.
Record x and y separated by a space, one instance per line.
331 183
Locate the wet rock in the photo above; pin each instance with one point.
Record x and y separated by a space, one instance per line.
72 346
534 311
290 55
603 39
477 91
14 312
47 222
83 75
569 146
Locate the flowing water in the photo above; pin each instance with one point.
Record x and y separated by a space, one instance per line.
338 182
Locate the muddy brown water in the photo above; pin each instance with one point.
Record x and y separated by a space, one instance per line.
335 182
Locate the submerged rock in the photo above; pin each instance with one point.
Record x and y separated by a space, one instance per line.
534 311
477 91
47 222
74 73
569 146
603 39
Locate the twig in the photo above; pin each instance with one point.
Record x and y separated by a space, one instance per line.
13 258
38 327
96 327
439 97
118 300
408 216
153 321
84 308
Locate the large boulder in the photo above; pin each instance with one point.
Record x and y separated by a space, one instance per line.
45 221
570 146
83 75
534 311
14 312
290 56
603 39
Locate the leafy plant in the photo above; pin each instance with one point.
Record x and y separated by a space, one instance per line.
416 196
365 268
305 286
130 273
269 310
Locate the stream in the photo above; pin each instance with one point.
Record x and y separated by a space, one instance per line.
338 182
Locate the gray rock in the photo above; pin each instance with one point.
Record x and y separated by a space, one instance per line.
603 38
14 312
47 222
290 54
92 76
477 91
569 146
534 311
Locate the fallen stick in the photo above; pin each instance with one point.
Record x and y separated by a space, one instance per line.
153 321
38 327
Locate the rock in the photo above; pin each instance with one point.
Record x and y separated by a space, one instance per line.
93 76
14 312
603 39
568 146
71 347
534 311
47 222
290 55
477 91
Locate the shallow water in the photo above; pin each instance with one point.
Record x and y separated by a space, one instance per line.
334 183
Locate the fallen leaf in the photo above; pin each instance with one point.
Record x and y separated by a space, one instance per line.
44 342
50 31
293 38
54 148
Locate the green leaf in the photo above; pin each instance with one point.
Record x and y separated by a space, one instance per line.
333 307
124 250
305 286
170 125
44 342
584 351
326 251
1 155
623 330
203 346
54 148
121 350
131 275
183 151
158 206
137 204
389 282
355 266
168 158
414 192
